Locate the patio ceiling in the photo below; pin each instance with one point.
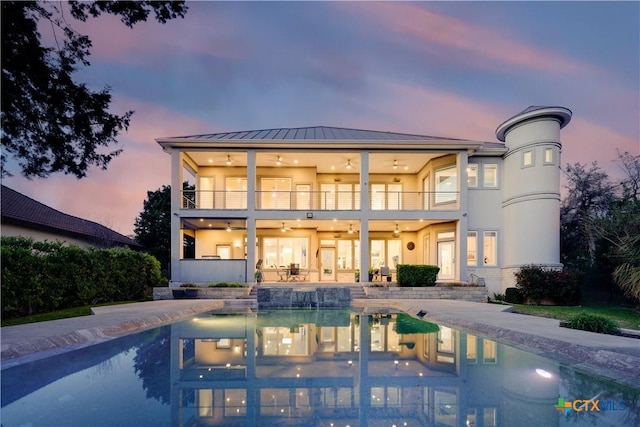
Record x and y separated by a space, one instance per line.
338 162
337 226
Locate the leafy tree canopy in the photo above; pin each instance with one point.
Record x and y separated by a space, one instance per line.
153 225
50 122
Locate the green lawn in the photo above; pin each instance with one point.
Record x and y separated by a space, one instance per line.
55 315
627 318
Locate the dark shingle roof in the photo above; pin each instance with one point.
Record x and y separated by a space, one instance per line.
21 210
317 133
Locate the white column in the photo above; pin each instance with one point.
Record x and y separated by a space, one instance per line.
176 199
252 257
364 218
462 225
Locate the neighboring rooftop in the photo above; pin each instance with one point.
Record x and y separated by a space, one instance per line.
21 210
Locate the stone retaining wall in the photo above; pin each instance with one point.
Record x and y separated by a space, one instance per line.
204 293
466 293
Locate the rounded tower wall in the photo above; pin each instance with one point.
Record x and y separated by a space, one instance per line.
531 187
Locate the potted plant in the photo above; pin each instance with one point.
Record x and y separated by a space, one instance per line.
258 276
190 290
372 272
357 275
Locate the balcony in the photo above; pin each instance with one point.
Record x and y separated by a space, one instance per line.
322 200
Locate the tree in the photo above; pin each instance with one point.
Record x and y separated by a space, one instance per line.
153 225
589 195
50 122
600 224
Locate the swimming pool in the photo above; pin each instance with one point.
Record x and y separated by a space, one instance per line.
340 367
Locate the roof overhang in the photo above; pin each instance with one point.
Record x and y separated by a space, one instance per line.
561 114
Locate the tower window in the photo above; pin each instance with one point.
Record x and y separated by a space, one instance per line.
527 158
548 156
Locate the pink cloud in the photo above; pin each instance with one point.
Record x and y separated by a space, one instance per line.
115 197
461 41
426 111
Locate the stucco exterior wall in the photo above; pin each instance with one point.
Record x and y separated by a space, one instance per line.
40 236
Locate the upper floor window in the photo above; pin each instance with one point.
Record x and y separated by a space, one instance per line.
339 196
446 184
386 197
236 193
472 175
527 158
275 193
490 175
548 156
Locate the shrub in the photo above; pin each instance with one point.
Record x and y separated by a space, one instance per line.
513 296
536 283
592 323
417 275
39 277
227 285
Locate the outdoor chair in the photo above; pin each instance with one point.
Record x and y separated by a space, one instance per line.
294 271
283 273
385 272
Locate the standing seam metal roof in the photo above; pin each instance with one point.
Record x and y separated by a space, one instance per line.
321 133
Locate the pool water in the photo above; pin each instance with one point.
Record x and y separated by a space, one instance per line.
308 367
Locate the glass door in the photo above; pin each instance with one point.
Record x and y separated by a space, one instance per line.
328 264
446 259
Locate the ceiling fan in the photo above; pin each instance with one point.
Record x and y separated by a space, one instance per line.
284 229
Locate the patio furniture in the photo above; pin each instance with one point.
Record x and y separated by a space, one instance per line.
283 273
383 272
294 272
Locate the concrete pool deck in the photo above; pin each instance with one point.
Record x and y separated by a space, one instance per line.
611 356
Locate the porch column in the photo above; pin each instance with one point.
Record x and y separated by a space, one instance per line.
176 233
462 225
365 208
252 257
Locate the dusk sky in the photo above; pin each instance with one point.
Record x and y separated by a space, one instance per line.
450 69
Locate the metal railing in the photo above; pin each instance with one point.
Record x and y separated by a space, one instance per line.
322 200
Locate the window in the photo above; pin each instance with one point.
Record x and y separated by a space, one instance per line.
303 196
491 175
341 196
527 158
236 193
205 192
472 348
472 248
377 253
446 185
386 197
345 254
548 156
284 251
490 248
472 175
383 252
275 193
427 192
490 351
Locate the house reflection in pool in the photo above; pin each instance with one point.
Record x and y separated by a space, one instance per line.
308 367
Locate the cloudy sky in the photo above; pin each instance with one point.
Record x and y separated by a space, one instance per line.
451 69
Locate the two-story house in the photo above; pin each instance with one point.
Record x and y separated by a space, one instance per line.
337 201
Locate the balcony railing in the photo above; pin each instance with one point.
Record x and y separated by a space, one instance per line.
322 200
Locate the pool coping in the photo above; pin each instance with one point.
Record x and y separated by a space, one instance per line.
613 357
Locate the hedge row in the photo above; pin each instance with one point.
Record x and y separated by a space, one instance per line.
409 275
39 277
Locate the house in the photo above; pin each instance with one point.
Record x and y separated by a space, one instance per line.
23 216
338 201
